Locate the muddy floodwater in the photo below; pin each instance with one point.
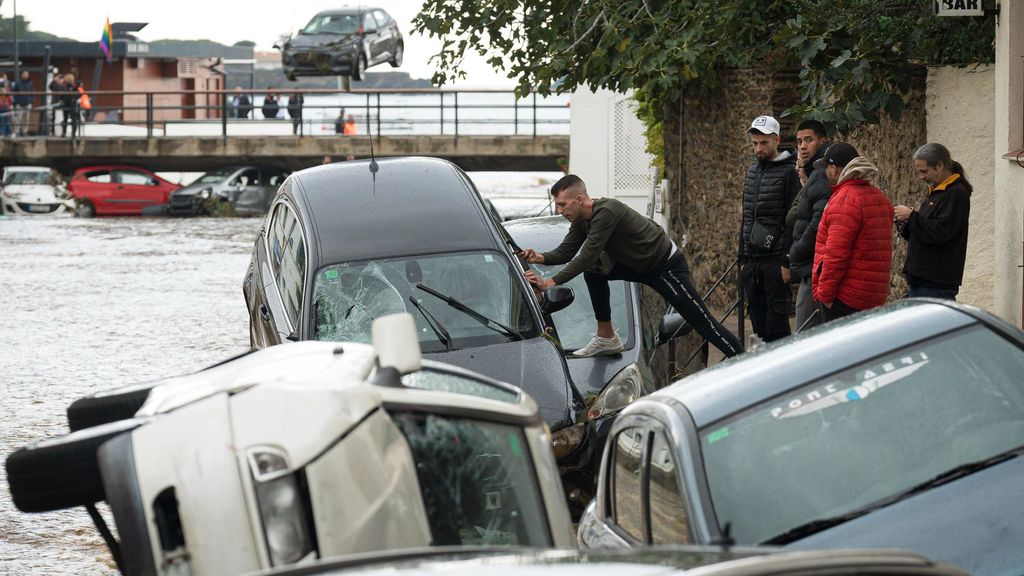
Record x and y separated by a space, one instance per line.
94 304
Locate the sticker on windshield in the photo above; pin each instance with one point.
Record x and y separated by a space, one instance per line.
835 393
331 275
719 434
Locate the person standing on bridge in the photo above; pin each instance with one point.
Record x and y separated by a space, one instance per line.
295 111
637 250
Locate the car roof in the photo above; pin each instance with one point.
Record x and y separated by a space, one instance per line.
773 369
347 10
542 233
410 206
111 167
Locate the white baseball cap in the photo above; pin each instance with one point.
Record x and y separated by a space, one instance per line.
765 125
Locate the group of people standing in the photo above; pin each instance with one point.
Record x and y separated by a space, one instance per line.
810 216
814 217
69 102
241 106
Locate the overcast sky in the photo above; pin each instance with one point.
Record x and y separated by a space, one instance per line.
229 21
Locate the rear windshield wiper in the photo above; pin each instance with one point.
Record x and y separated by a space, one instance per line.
821 524
434 323
496 326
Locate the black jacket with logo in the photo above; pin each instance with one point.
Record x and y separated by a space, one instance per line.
937 237
768 192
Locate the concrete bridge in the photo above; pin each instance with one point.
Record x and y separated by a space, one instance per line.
201 153
189 131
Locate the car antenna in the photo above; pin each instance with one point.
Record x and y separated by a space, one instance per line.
724 539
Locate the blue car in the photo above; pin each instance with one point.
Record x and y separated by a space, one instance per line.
898 427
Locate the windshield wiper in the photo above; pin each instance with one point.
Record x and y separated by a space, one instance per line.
493 325
960 471
434 323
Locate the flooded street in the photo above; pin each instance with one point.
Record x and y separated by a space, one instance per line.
95 304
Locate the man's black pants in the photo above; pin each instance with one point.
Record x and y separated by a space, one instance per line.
672 281
768 298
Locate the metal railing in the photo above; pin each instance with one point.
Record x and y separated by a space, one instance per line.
385 112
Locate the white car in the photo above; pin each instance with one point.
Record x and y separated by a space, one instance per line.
307 451
33 190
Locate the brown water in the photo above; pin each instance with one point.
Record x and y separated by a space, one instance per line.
89 305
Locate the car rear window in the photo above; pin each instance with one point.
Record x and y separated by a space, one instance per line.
865 434
478 482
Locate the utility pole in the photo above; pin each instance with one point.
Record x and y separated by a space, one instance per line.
17 64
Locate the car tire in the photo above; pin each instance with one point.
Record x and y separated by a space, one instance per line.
85 209
100 409
360 72
61 472
396 59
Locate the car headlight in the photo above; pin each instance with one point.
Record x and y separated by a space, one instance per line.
12 195
205 193
623 389
565 440
283 506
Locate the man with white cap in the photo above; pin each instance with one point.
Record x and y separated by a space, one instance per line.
768 191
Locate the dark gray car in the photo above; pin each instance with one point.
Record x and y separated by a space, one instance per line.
344 42
248 189
898 427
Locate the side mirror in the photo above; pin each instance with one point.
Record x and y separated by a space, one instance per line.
671 326
557 298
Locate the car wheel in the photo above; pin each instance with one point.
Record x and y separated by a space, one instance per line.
396 60
100 409
360 72
61 472
85 209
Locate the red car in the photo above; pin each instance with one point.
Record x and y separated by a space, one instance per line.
117 190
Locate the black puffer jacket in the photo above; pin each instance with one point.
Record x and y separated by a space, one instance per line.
816 193
768 192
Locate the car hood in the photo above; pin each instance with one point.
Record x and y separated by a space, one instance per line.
195 188
38 190
592 374
975 523
533 365
320 40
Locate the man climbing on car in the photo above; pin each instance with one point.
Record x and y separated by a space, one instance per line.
607 241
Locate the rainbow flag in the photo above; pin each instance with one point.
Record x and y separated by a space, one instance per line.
106 39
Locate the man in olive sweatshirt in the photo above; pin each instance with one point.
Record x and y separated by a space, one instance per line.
639 250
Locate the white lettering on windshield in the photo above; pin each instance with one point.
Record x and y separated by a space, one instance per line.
865 383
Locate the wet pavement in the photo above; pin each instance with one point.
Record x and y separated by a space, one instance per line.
90 305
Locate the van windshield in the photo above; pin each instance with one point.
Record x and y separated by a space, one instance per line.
348 297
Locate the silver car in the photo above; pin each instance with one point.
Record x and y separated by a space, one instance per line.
248 189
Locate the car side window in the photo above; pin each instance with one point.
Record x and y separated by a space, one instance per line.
98 177
669 518
382 18
134 178
249 178
273 178
627 512
369 23
288 258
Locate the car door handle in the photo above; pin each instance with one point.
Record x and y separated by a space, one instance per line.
264 313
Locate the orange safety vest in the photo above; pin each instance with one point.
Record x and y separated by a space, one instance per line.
349 128
84 101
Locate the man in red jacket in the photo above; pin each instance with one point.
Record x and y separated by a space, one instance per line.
853 251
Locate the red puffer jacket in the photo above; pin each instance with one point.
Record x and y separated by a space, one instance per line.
853 251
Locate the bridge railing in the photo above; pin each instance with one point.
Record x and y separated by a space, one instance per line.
324 113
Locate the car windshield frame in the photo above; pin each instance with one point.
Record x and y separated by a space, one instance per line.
326 24
482 280
820 444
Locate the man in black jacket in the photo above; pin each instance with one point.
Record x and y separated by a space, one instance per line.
812 140
768 191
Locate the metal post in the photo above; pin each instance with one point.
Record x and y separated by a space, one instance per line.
369 126
456 114
740 319
378 114
224 112
46 86
441 94
516 113
534 114
149 114
17 64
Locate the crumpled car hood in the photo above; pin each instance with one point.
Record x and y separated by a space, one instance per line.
533 365
320 40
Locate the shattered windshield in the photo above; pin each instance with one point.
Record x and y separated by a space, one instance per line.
865 434
447 382
478 482
348 297
576 324
332 24
25 177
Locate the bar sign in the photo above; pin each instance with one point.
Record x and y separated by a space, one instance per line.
958 8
